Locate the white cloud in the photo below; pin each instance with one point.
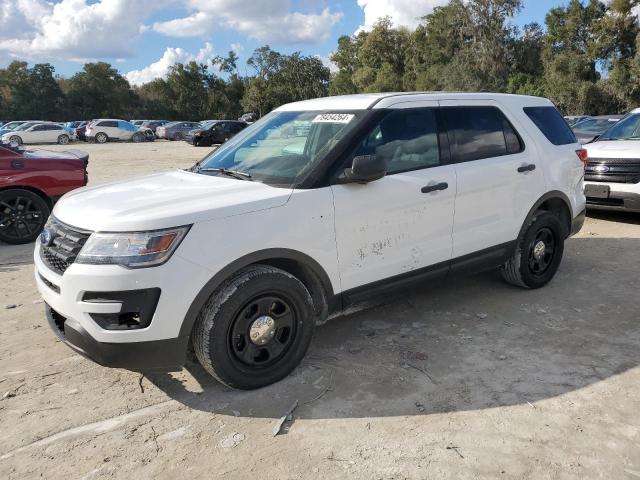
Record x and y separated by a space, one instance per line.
406 13
266 21
72 29
171 56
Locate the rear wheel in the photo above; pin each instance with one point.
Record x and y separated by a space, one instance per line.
255 329
101 137
22 215
178 136
138 137
63 139
538 254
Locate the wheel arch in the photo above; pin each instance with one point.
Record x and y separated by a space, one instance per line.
298 264
47 199
555 202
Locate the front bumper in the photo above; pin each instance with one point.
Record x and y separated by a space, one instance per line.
87 298
165 355
622 197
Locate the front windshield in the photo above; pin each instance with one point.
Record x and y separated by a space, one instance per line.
23 127
282 147
626 129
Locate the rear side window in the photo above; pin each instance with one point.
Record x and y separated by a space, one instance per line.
551 124
480 132
108 123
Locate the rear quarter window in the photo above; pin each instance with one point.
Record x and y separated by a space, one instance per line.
551 124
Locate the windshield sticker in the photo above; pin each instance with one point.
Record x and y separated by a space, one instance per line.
333 118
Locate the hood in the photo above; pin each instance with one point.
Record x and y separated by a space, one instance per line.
164 200
614 149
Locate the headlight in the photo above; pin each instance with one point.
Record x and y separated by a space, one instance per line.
132 250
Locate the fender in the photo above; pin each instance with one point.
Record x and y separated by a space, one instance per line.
536 206
242 262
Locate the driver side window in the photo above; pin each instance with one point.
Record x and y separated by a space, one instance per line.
407 139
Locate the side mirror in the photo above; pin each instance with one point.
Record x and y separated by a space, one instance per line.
365 169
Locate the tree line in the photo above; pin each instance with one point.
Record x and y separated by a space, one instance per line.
586 59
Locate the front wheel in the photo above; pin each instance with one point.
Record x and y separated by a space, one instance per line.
22 215
102 137
15 140
255 329
538 254
137 137
63 139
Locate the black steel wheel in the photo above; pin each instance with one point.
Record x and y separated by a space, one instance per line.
22 216
538 253
263 331
255 329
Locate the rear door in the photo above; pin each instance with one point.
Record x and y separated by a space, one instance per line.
498 174
401 224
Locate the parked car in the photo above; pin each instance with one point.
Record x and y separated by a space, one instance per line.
573 119
153 124
243 255
108 129
71 127
216 132
11 126
588 130
175 130
47 132
612 179
30 184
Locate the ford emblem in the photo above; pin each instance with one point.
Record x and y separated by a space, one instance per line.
601 168
46 237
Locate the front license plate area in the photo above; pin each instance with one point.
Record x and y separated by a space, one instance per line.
596 191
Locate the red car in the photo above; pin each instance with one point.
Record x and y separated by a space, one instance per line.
30 184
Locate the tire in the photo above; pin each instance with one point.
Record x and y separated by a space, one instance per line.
101 137
197 142
63 140
15 140
22 215
178 136
531 265
138 137
222 335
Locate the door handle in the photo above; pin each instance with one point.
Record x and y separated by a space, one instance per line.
435 187
17 164
526 168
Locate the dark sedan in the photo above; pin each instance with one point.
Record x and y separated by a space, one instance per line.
176 130
215 133
590 129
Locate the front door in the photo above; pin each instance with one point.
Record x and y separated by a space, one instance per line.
401 224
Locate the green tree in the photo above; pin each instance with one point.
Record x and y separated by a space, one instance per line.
99 90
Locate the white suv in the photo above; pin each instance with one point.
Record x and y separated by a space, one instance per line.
106 129
613 174
284 226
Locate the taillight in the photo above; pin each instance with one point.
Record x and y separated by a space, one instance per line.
583 155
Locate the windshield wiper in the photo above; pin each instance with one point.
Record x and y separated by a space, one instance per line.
229 173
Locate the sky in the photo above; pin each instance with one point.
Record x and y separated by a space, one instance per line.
142 38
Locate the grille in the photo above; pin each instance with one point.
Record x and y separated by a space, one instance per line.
615 170
63 246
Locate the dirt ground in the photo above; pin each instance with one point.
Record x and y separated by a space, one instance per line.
469 379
